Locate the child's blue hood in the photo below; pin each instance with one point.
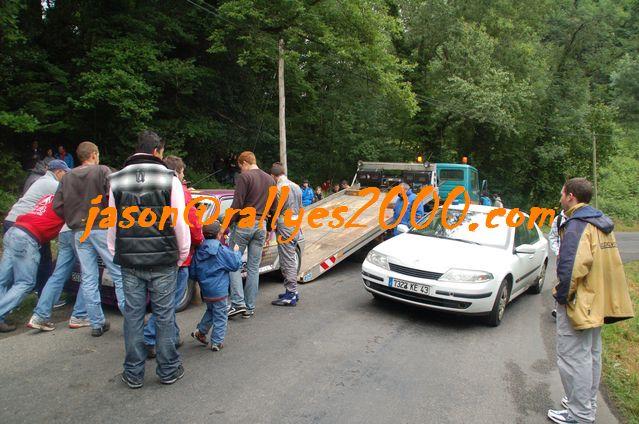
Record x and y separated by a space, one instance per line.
210 247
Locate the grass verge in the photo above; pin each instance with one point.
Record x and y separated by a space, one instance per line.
620 353
622 226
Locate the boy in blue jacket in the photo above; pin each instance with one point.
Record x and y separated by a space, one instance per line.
211 265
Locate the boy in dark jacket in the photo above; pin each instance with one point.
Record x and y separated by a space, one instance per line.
211 265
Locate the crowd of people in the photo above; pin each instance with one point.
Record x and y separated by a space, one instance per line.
142 261
491 200
310 195
35 161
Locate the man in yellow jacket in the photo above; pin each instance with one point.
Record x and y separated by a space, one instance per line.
592 290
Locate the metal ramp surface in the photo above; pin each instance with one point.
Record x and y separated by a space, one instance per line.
326 246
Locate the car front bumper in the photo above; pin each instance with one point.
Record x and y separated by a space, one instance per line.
462 298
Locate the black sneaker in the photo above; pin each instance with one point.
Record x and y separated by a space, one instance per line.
150 351
248 313
132 384
97 332
178 374
236 310
6 328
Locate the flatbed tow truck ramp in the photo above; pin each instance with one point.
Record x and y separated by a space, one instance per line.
325 246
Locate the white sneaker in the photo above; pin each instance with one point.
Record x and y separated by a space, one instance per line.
75 322
39 324
561 417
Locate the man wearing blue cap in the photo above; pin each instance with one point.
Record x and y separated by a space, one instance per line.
45 185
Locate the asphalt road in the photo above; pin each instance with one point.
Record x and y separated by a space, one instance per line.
339 357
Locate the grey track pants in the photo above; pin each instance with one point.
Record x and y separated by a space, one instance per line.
579 363
286 251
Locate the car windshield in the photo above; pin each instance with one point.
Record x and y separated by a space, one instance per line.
493 237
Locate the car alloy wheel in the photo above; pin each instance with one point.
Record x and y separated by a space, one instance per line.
499 307
503 300
539 282
187 296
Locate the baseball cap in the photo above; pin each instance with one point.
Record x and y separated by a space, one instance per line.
211 230
58 164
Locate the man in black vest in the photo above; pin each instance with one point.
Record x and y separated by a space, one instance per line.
149 256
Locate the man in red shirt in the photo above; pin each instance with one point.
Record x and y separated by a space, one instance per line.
22 254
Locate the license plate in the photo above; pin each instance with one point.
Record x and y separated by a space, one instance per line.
408 286
76 276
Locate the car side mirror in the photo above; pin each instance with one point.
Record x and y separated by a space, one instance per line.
403 228
524 249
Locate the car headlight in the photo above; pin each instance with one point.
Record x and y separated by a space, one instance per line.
377 259
466 276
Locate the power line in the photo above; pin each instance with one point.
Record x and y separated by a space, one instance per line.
211 11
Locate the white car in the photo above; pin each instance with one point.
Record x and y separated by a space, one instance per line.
468 272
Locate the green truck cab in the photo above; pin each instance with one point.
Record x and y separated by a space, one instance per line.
451 175
444 177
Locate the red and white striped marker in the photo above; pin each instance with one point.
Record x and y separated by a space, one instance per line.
328 263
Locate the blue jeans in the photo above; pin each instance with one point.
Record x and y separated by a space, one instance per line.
160 282
88 251
215 316
53 288
252 238
18 269
46 261
45 268
149 329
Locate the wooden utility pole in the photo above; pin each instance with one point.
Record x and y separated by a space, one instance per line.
594 165
282 115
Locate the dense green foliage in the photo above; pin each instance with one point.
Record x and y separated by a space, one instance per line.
519 88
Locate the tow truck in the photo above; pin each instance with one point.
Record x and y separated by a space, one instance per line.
326 247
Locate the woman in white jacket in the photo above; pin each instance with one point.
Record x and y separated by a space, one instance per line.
553 238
